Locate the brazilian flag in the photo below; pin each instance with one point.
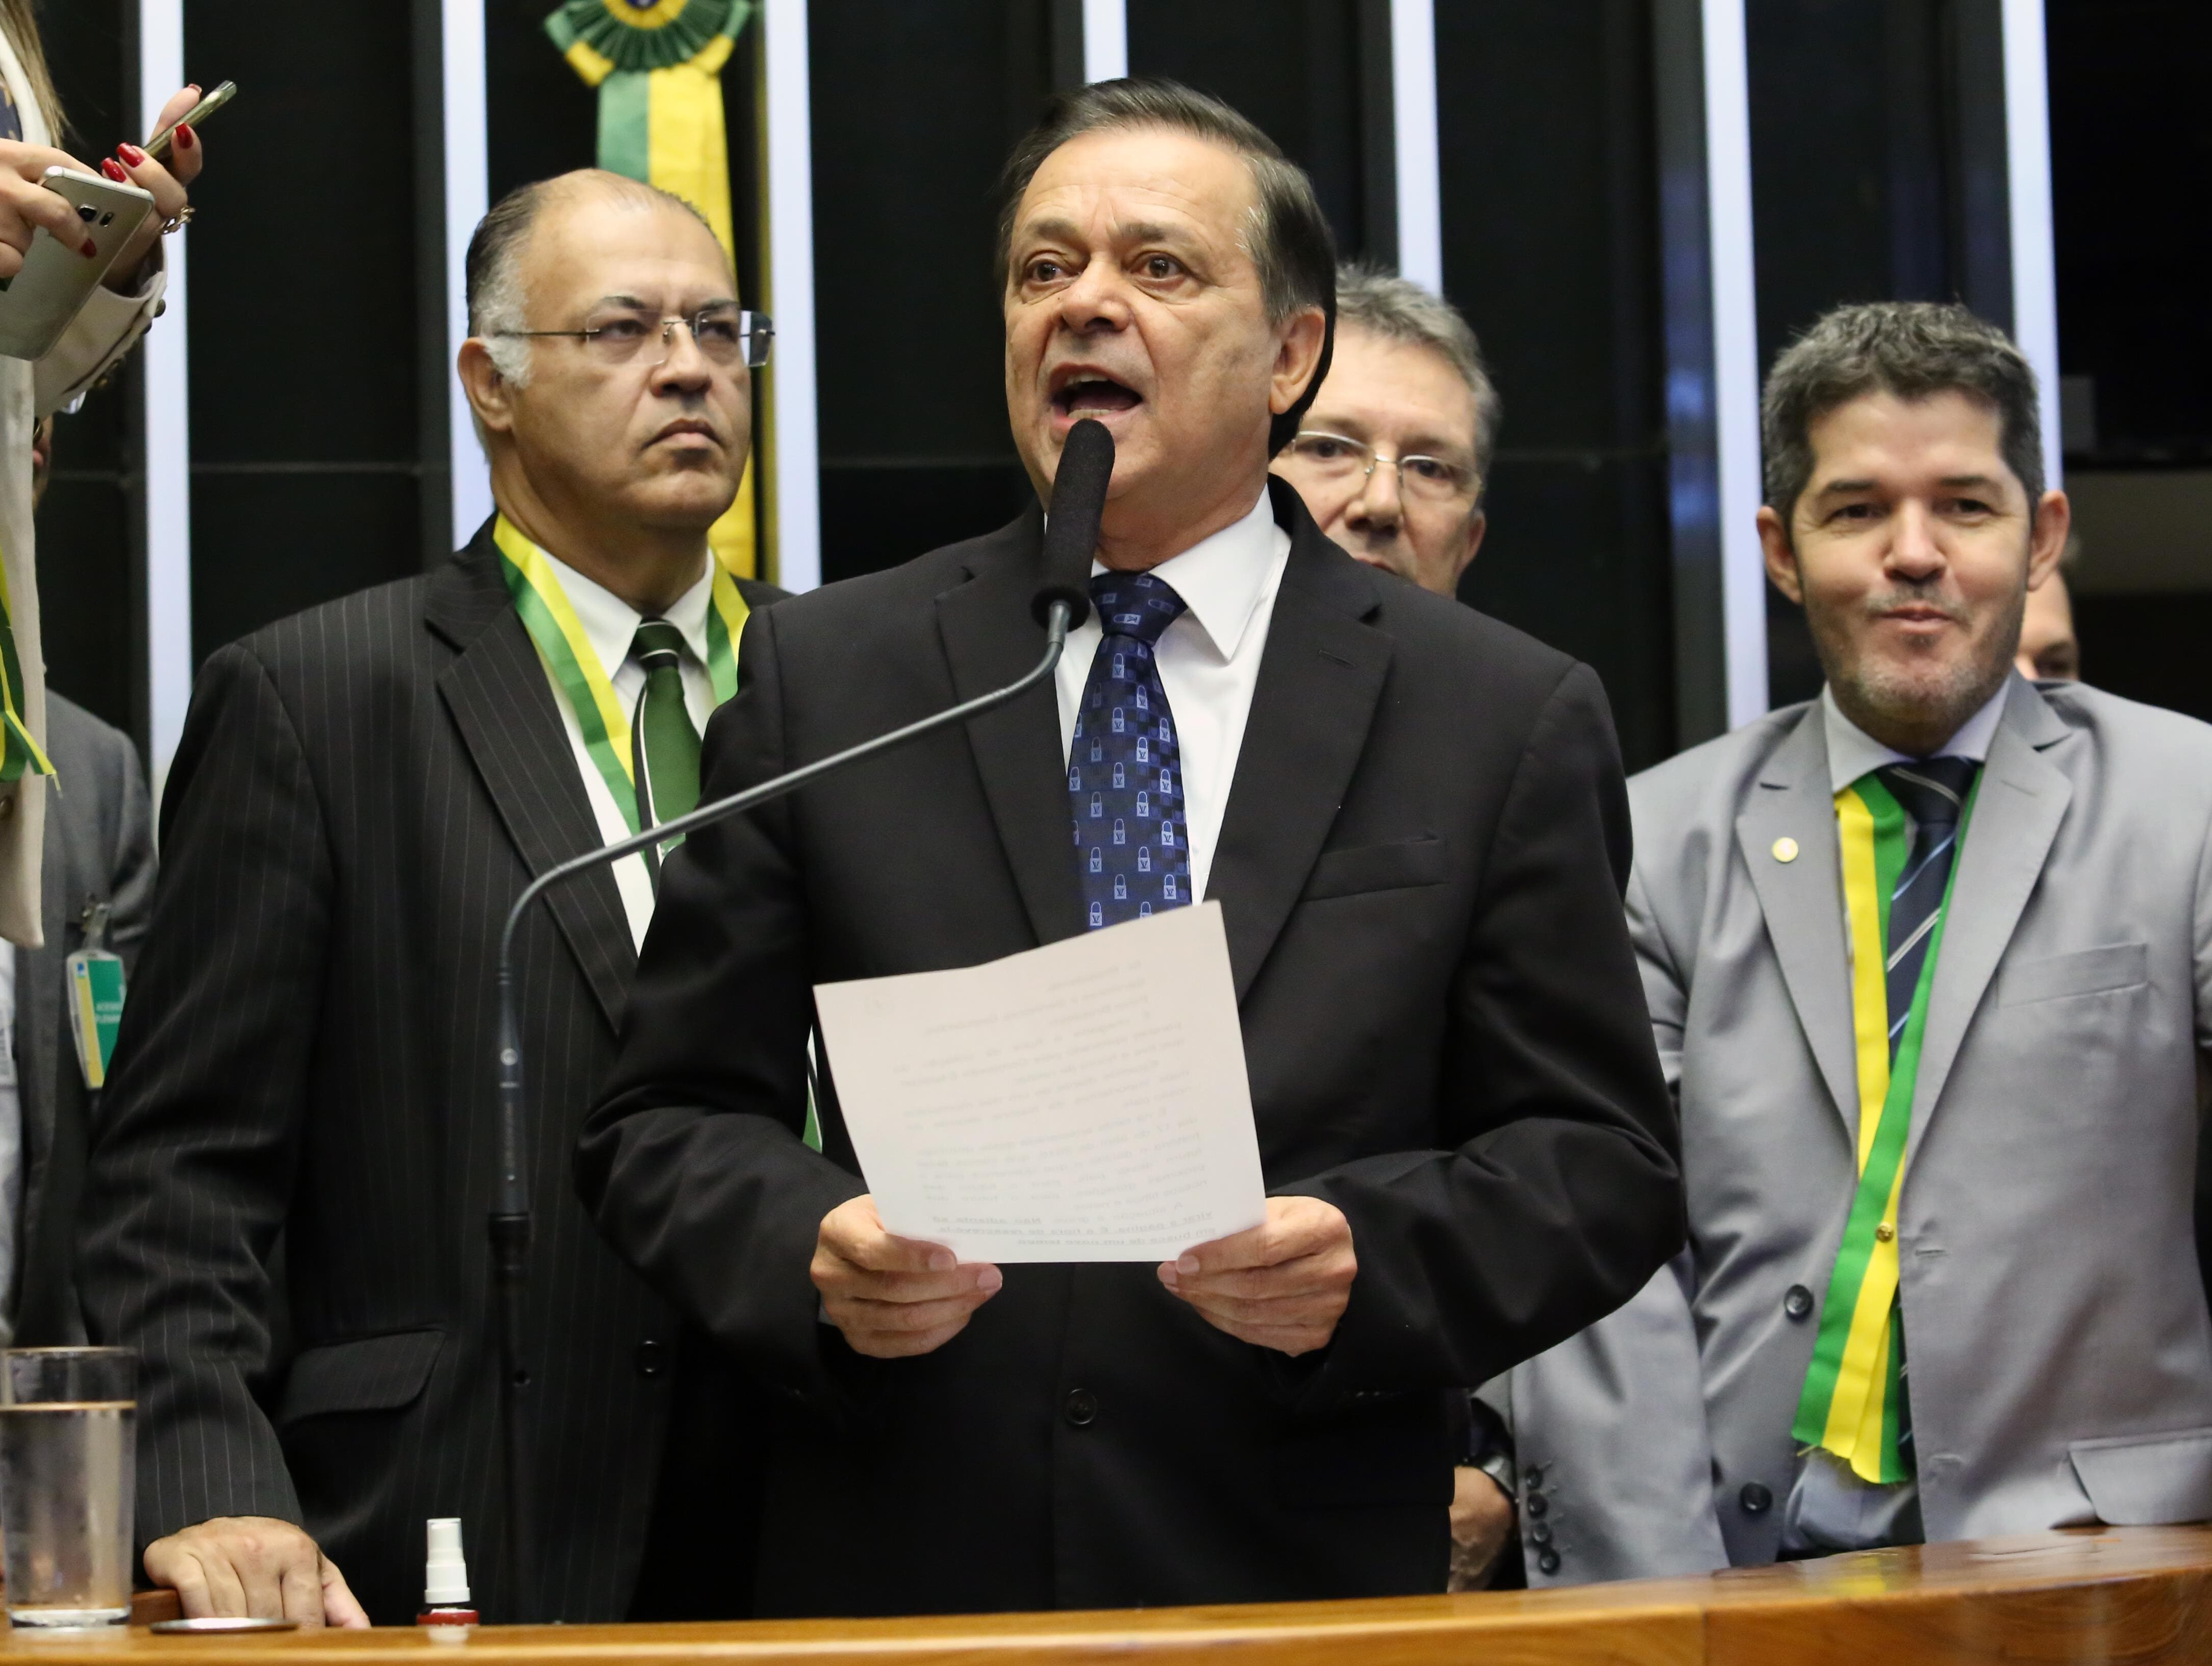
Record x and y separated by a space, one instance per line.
658 64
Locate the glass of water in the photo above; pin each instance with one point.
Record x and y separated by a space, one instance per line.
68 1483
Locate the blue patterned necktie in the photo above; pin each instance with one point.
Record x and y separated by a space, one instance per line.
1124 767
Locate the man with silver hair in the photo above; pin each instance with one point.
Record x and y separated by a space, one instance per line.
307 1057
1392 457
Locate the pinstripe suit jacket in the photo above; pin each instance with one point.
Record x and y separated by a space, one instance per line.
305 1071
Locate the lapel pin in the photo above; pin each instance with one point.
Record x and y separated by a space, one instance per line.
1785 849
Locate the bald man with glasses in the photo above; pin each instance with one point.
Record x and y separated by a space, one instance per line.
307 1060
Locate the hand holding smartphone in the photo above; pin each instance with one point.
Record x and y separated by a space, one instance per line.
40 302
158 146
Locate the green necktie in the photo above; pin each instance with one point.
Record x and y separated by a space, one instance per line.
663 746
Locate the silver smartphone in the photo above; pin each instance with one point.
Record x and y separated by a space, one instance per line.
42 300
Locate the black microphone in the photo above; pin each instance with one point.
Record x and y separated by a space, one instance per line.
1071 532
1062 601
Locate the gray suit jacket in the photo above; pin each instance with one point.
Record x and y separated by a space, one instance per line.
99 843
2061 1353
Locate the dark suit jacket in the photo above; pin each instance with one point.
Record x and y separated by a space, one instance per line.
98 847
361 792
1420 865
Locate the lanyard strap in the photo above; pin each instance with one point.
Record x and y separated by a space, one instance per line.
1852 1402
583 683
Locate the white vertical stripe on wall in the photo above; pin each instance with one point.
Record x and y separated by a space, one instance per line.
1105 39
2027 189
798 503
1736 357
1413 132
468 187
169 663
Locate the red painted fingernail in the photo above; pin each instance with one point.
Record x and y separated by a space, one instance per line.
186 137
131 154
193 87
113 171
90 249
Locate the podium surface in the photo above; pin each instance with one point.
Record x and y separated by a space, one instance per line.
2137 1595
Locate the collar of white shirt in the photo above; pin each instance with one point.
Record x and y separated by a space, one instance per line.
1853 752
611 623
1222 578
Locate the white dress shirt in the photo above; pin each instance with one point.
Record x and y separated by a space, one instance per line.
611 625
1853 752
1208 661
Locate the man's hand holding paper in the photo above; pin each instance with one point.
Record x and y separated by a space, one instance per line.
893 1296
1281 1284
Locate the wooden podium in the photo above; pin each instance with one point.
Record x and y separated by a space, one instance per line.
2137 1595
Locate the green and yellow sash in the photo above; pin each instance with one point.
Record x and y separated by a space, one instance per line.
18 750
567 652
658 64
1853 1395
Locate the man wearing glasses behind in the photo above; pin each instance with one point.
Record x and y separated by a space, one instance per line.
1391 460
286 1201
1392 457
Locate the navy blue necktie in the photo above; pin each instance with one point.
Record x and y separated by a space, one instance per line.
1934 794
1124 770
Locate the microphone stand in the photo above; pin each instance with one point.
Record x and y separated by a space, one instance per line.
1061 608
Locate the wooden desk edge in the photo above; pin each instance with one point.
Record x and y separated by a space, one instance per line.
2144 1595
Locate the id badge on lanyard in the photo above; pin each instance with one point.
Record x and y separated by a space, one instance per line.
94 977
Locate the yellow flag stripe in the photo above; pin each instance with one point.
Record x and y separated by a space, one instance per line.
1869 990
529 561
1854 1412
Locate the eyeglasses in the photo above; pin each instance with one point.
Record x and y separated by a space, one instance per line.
724 335
1336 459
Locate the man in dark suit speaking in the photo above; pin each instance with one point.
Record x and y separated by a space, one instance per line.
1415 821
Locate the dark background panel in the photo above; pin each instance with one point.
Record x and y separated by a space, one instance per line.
263 546
2148 647
325 290
877 514
1861 158
2131 145
1548 142
909 346
304 323
86 535
541 119
1571 559
88 595
1293 67
2130 149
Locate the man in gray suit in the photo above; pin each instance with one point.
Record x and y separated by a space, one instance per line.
1930 965
98 877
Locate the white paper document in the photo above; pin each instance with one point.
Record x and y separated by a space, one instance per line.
1083 1102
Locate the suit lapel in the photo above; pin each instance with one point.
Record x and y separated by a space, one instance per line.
1320 677
2022 801
503 706
1803 899
988 640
